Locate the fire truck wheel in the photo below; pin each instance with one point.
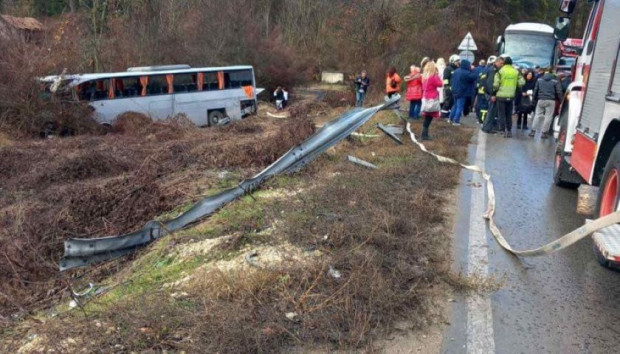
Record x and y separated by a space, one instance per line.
609 189
609 197
561 168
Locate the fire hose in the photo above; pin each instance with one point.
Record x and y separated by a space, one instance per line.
82 252
552 247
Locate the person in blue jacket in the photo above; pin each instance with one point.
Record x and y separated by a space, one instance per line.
462 81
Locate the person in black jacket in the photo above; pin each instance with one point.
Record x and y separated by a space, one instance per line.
361 88
278 94
489 91
448 102
526 105
547 90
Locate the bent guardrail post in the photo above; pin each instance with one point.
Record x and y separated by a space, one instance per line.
82 252
389 133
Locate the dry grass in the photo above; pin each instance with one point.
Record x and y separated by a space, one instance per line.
380 229
103 185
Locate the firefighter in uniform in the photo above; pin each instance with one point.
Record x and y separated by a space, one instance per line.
454 63
489 121
482 102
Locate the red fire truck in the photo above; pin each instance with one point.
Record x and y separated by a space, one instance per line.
588 127
567 54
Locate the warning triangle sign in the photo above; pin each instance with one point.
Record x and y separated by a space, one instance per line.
468 43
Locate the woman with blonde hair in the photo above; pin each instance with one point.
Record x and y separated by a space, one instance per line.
431 85
425 61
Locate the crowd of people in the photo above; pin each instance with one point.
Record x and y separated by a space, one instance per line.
495 89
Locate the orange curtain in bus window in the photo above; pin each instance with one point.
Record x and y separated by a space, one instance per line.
249 91
111 89
220 80
144 81
119 85
78 90
170 81
200 81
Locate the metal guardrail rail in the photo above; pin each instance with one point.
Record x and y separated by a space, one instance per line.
82 252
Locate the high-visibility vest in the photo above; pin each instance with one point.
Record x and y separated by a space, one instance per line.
506 82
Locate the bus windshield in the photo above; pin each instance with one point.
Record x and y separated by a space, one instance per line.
530 49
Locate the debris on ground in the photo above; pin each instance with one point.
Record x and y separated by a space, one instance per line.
341 262
333 273
361 162
389 132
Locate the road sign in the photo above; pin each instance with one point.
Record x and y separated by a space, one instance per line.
467 55
468 43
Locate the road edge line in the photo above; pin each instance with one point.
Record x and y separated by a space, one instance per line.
479 311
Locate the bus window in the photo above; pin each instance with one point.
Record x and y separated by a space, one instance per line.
185 83
95 90
128 87
210 83
238 79
158 85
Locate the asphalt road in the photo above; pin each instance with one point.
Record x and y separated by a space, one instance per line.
562 303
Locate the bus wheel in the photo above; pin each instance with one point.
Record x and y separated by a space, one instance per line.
561 169
608 200
215 117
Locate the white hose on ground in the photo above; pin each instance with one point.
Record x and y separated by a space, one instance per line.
552 247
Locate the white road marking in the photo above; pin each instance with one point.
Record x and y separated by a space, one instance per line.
479 313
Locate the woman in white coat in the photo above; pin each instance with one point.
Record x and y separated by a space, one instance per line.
441 66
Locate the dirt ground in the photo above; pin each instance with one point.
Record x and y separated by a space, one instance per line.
334 257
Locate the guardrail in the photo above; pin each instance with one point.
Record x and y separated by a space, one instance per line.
82 252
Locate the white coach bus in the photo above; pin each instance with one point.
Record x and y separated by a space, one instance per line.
207 96
528 44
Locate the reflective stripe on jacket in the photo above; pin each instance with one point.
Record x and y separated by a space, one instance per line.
447 75
506 82
482 79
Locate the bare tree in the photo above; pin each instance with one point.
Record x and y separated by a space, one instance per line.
98 14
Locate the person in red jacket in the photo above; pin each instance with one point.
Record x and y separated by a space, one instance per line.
414 92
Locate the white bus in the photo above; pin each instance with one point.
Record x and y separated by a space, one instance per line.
529 45
207 96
